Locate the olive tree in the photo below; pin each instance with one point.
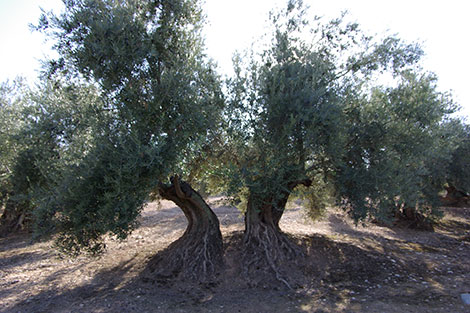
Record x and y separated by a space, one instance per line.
53 128
308 107
13 100
450 164
459 168
162 101
390 169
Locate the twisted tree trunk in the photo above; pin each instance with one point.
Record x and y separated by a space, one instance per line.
266 246
198 254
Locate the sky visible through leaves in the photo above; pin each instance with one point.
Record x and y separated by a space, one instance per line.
440 26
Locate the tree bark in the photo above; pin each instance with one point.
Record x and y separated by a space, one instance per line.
267 248
198 254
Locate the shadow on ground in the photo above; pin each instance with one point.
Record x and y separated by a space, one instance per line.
336 277
345 270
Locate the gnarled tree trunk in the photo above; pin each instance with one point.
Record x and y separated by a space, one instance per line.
266 246
198 254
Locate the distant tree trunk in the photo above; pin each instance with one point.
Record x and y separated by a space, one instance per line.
15 217
198 254
411 218
266 246
455 197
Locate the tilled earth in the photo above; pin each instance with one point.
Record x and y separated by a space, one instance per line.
347 268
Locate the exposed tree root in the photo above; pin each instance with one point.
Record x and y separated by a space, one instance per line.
197 259
267 251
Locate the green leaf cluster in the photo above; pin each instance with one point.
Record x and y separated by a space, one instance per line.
311 104
158 103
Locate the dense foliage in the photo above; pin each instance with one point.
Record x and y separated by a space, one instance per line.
459 169
55 131
309 105
12 186
155 100
394 133
11 104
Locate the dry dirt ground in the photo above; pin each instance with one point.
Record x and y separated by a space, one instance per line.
349 269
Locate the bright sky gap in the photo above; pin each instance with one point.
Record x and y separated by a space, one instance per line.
441 27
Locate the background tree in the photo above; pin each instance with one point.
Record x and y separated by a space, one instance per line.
451 165
459 169
53 129
393 137
13 99
162 100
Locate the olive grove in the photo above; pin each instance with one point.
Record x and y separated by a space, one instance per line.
133 109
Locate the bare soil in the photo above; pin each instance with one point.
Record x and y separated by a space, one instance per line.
347 268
